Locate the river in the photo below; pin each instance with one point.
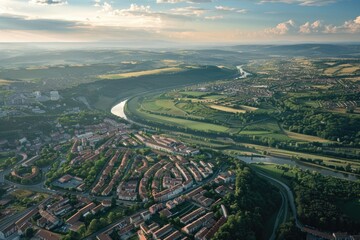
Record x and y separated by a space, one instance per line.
118 109
282 161
243 74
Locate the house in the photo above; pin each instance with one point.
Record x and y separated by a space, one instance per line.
162 231
145 215
170 205
106 203
197 224
7 231
174 236
201 233
97 209
214 229
155 208
220 190
24 227
103 236
193 215
74 218
165 213
65 178
46 235
50 221
135 218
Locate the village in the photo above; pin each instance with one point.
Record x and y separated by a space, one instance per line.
164 178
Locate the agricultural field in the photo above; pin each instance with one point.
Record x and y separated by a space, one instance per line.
307 138
4 82
227 109
343 70
141 73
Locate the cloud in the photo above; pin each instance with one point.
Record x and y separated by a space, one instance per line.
188 11
230 9
329 29
179 1
223 8
48 2
308 27
214 17
301 2
18 22
134 9
316 27
281 28
136 16
352 26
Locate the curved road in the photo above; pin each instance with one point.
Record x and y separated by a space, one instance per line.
287 198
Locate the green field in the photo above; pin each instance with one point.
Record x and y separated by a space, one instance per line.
194 93
198 110
282 173
195 125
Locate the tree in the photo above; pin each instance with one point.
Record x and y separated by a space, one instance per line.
29 233
93 226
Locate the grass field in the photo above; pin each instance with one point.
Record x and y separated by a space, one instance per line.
226 109
248 108
141 73
254 132
6 155
274 171
22 193
194 93
306 138
214 97
184 123
5 82
162 106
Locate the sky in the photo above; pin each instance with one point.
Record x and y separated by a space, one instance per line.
180 21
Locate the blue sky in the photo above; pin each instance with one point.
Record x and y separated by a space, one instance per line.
182 21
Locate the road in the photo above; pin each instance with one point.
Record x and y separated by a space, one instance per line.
287 198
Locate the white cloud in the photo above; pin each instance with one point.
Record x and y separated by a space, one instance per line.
281 28
136 16
224 8
308 27
230 9
316 27
48 2
329 29
352 26
97 3
188 11
301 2
133 9
178 1
214 17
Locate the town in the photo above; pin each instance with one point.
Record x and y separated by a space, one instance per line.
133 167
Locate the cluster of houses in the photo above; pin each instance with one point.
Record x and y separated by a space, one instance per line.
166 144
49 215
